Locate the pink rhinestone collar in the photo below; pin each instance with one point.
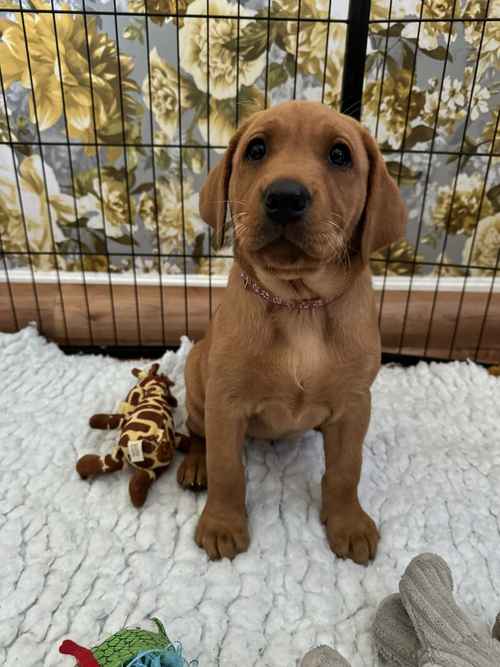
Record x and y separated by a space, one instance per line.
295 304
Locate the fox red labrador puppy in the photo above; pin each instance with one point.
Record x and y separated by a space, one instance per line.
295 343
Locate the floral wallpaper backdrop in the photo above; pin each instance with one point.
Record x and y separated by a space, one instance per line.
112 111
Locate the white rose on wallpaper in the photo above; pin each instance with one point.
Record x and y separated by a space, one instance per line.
44 206
432 29
479 102
451 104
454 101
485 246
221 49
489 33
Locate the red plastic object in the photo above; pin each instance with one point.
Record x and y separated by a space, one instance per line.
84 657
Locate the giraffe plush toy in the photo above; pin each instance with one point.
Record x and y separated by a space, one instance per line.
148 439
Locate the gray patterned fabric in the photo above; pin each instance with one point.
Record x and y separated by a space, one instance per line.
394 634
496 629
323 656
422 626
446 636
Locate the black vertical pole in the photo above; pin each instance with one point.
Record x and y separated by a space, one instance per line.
355 56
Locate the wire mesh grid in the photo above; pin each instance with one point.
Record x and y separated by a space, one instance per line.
113 111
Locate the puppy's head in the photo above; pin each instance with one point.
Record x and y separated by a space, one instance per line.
305 186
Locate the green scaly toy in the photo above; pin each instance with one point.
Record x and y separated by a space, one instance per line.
130 647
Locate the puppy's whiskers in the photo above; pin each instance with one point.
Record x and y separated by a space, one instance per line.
336 243
229 201
240 226
352 108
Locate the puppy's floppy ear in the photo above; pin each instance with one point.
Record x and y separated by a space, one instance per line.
215 191
385 214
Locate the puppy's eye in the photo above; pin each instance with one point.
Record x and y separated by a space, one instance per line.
340 155
256 150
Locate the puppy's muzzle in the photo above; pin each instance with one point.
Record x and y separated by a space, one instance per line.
286 201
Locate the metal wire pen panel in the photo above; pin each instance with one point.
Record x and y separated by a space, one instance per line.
113 111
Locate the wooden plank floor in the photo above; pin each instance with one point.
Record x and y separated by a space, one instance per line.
422 323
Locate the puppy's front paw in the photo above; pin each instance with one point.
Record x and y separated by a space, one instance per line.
352 534
222 536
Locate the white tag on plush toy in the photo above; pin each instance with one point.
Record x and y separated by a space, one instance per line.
135 451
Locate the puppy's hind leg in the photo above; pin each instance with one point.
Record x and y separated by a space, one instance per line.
192 472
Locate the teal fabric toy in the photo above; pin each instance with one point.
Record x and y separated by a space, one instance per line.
130 647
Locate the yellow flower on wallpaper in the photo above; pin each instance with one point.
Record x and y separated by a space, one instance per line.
311 52
312 38
158 7
223 116
308 8
113 201
12 235
194 159
391 97
333 82
218 266
488 36
221 49
46 79
401 256
164 95
476 9
4 128
139 71
379 9
334 69
491 133
171 231
94 263
45 211
486 247
446 268
460 216
13 54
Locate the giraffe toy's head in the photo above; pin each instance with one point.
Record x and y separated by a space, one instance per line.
152 375
151 381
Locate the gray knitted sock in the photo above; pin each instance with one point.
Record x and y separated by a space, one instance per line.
445 634
323 656
395 637
496 629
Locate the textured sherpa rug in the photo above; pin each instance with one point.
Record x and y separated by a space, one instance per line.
78 561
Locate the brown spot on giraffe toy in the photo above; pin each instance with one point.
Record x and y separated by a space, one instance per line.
148 439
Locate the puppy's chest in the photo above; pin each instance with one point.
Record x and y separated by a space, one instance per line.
291 393
303 359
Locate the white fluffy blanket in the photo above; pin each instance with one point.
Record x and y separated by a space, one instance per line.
79 561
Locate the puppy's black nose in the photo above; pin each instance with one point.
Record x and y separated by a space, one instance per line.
286 201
